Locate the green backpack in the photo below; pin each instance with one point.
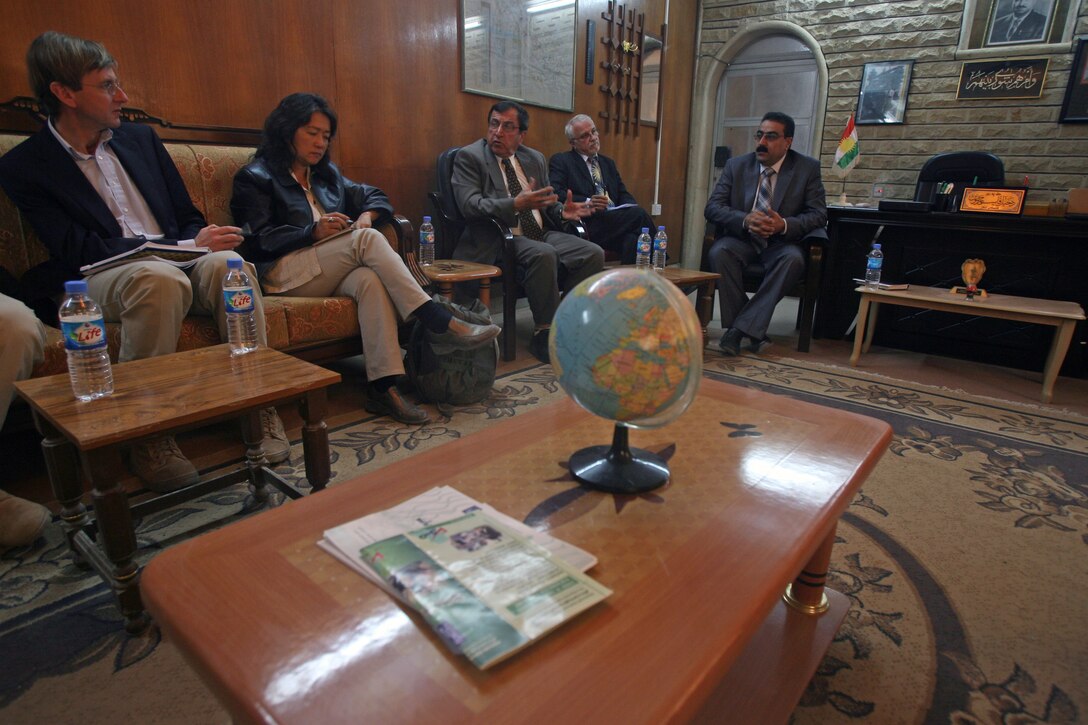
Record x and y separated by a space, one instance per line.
444 374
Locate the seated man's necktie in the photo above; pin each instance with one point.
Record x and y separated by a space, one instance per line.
526 220
598 179
763 200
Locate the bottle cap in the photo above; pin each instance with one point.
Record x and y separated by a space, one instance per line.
76 287
426 219
661 228
234 263
876 246
645 230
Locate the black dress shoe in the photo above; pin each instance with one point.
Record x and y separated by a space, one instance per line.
758 346
393 404
539 346
731 341
466 335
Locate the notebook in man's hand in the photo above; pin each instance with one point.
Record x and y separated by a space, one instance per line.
170 253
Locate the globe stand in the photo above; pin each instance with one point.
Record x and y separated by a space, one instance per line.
619 468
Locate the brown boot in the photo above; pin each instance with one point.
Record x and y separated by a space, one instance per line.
21 521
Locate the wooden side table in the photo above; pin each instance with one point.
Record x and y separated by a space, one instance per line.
706 282
159 396
447 272
1061 315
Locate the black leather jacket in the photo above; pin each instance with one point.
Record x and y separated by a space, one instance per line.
279 217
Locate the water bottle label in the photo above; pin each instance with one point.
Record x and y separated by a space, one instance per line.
660 245
874 263
85 335
238 300
426 237
644 246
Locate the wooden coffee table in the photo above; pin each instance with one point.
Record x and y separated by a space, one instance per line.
1063 316
696 627
152 397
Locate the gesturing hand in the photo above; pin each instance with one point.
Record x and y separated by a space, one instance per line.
572 210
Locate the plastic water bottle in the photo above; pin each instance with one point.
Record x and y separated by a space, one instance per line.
239 305
872 267
426 242
661 245
643 248
85 340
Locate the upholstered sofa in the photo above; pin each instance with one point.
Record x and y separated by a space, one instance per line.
315 329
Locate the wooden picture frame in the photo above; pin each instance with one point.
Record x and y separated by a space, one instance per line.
1006 78
993 200
1033 25
882 96
1075 103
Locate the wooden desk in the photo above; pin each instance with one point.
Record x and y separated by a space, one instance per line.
1062 315
284 633
153 397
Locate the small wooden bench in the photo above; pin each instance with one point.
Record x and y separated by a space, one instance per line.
1062 315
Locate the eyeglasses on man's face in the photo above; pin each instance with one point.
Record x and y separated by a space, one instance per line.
110 87
503 126
769 135
587 135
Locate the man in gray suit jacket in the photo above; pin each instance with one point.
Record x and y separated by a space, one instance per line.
499 177
751 227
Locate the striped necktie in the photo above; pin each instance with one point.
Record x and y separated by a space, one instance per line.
763 199
526 220
598 180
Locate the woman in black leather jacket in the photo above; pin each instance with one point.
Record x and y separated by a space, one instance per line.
310 234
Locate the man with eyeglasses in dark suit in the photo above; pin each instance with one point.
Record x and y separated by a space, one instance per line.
764 204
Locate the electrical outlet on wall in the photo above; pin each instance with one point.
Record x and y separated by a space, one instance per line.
655 210
878 191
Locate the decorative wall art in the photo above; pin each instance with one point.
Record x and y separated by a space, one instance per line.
882 98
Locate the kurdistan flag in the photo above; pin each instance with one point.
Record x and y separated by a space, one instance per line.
846 155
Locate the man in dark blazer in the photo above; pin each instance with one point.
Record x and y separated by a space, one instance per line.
1021 24
747 230
617 219
499 177
92 187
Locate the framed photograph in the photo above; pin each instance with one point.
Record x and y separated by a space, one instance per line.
1003 200
883 94
988 79
1075 105
1014 22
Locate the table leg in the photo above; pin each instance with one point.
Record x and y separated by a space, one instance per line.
806 593
116 536
62 465
860 331
315 438
446 289
255 461
1058 347
705 307
870 329
485 292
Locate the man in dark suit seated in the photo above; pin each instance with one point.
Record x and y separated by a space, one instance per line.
1021 24
762 207
92 187
617 218
499 177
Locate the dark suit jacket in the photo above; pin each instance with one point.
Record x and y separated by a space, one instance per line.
798 197
480 190
71 219
567 170
274 206
1032 28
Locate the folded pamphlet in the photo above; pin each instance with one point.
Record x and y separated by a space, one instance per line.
170 253
486 583
883 285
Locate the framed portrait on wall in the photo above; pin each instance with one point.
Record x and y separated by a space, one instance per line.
1013 22
883 94
1075 105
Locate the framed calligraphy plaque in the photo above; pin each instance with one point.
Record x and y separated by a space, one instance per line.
1009 78
1004 200
1075 105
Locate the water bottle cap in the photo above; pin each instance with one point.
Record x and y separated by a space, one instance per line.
876 246
645 230
661 228
234 263
426 219
76 287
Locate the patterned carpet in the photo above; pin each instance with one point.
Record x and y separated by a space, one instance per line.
964 557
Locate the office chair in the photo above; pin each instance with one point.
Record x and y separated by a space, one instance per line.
961 168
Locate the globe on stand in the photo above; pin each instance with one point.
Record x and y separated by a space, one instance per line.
626 345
